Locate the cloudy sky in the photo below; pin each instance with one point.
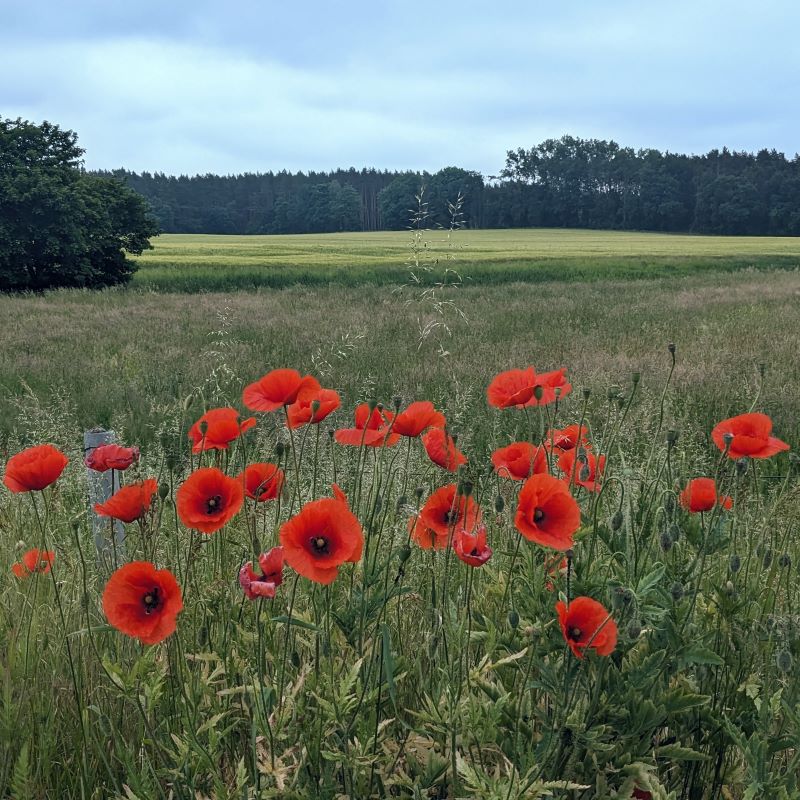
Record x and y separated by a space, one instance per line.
186 86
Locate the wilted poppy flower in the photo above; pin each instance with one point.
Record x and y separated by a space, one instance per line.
587 469
34 469
142 601
417 418
751 436
519 461
276 389
262 481
585 623
217 428
547 513
34 560
373 429
441 449
471 548
511 388
555 567
263 585
446 511
700 494
312 405
641 794
548 382
111 456
129 503
209 499
567 438
324 535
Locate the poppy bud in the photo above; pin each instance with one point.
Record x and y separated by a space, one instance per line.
674 532
762 369
672 437
397 401
405 553
741 466
372 404
538 392
513 618
331 433
635 378
202 636
665 540
784 660
163 490
759 549
280 449
401 503
634 630
611 395
676 590
466 488
203 427
671 348
75 525
419 491
499 504
769 622
295 659
669 503
729 587
785 561
584 473
735 563
587 392
767 559
616 521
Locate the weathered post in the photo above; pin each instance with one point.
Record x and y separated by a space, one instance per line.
109 535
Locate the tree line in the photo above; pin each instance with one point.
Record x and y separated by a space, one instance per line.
567 182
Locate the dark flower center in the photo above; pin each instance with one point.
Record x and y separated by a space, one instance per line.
575 634
320 545
450 517
538 515
151 601
213 504
475 551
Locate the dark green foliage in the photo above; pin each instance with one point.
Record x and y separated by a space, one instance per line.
560 183
60 226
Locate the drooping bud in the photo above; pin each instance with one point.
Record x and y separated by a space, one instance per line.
675 532
499 504
741 466
397 401
466 488
617 520
513 618
585 473
677 592
401 503
665 540
734 563
280 449
634 630
785 561
405 553
672 437
784 660
419 491
767 562
372 404
163 490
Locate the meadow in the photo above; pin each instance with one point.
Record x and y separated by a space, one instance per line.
414 672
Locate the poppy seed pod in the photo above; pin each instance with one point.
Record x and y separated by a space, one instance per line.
538 392
762 369
635 378
587 392
784 660
727 438
397 401
671 348
372 404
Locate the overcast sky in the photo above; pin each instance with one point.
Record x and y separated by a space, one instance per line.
186 86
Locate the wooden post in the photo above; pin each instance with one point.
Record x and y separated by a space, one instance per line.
109 535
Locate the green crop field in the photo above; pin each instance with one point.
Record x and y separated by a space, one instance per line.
181 262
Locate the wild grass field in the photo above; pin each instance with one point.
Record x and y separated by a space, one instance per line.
415 672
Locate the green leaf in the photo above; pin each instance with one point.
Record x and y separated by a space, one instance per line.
649 581
675 752
697 654
678 701
300 623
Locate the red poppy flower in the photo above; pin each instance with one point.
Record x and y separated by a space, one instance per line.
585 623
111 456
547 513
567 438
217 428
586 468
208 499
276 389
129 503
472 548
549 382
519 461
373 429
142 601
511 388
265 584
313 404
446 511
700 494
324 535
751 436
34 560
416 418
34 469
262 481
441 449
